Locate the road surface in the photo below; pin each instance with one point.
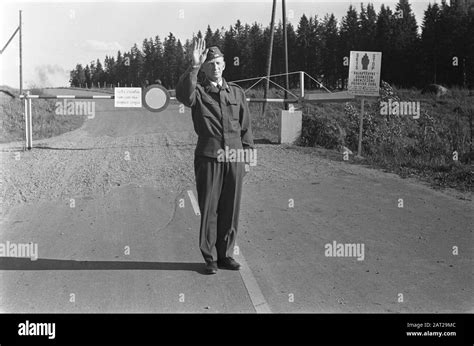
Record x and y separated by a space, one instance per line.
109 208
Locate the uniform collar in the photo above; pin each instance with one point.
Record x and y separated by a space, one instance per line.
215 83
209 87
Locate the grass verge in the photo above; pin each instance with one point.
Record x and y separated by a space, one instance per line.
46 123
436 147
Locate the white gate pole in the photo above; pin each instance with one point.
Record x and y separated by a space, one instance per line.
30 123
302 83
25 101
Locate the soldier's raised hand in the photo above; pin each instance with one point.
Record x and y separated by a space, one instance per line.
199 52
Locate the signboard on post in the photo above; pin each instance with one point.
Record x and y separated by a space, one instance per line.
364 73
364 80
128 97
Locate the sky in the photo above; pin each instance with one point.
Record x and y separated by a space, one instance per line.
57 35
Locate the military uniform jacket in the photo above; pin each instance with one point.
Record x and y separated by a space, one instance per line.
220 115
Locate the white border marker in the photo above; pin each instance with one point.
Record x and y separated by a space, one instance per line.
194 203
256 296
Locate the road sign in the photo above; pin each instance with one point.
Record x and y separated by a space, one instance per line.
156 98
364 73
128 97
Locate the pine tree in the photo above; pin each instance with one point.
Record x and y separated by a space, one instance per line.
157 60
77 76
110 70
304 44
368 26
349 38
384 42
429 43
316 47
454 39
257 52
135 70
118 70
350 31
170 64
217 38
405 45
87 76
238 28
208 37
468 64
242 57
92 70
148 50
180 62
231 53
331 58
188 46
442 53
99 74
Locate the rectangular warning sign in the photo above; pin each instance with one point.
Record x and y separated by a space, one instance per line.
128 97
364 73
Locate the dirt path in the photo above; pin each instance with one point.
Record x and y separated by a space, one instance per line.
126 172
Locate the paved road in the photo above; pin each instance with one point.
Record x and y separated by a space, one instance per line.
108 206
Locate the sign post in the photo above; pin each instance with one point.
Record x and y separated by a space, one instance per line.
364 80
361 125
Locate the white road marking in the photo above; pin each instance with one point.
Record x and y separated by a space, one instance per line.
256 296
194 203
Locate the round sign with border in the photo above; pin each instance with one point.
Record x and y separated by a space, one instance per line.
156 98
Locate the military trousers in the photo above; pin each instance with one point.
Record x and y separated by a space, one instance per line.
219 190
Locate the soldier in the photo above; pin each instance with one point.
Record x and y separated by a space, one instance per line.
221 120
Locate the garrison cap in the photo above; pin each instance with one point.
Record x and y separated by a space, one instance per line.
214 52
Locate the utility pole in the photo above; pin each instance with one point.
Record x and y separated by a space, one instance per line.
270 53
285 39
21 67
17 30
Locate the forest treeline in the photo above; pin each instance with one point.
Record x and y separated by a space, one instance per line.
441 52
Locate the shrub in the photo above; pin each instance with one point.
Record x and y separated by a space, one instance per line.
400 142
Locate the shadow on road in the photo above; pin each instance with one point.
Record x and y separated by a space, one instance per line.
264 141
115 147
52 148
13 263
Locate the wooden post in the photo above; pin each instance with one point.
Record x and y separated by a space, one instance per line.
361 123
21 66
269 58
285 40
